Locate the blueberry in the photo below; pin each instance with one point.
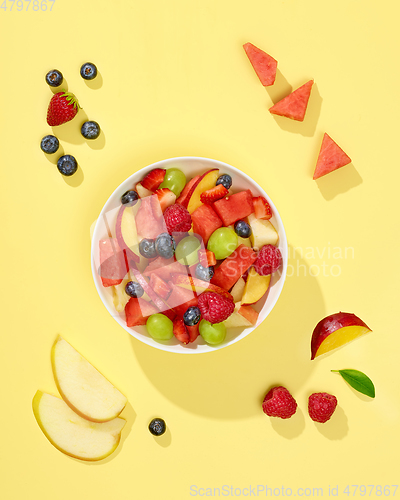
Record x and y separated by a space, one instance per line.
157 426
165 245
225 180
147 248
54 78
133 289
204 273
49 144
90 130
129 197
88 71
67 165
192 316
242 229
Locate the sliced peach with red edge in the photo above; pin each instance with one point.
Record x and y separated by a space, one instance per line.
336 330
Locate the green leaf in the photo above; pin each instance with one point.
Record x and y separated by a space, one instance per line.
358 380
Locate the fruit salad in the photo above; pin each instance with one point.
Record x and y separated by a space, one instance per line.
189 257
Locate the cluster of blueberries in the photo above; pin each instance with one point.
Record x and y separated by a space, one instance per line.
67 164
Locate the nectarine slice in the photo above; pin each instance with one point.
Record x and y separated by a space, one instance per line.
336 330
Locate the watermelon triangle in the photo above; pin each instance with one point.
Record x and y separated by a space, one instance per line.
264 65
295 104
330 158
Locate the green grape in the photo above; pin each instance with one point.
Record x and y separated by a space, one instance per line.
160 327
175 180
212 333
223 242
187 251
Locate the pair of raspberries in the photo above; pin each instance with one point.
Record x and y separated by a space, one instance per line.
280 403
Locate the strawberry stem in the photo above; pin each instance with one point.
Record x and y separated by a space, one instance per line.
71 99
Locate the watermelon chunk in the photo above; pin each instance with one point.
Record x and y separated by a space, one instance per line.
330 158
205 222
233 267
264 65
112 262
180 299
235 207
295 104
137 311
149 218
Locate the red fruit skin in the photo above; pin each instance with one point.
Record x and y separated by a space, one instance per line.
180 331
268 260
137 311
213 194
112 262
193 332
234 207
177 219
294 105
321 406
205 222
330 158
215 308
279 403
264 65
330 324
262 210
183 198
153 179
232 268
60 110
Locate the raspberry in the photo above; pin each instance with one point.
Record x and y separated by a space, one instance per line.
214 307
268 260
321 406
177 219
279 403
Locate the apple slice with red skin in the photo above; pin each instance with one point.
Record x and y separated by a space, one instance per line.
335 331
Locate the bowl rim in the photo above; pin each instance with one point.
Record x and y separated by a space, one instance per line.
263 313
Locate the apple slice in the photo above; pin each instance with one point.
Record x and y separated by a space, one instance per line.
198 286
126 233
203 183
256 286
72 434
82 387
142 191
263 232
335 331
238 289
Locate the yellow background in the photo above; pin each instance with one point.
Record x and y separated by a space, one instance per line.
175 81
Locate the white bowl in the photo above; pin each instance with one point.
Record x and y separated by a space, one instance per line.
191 166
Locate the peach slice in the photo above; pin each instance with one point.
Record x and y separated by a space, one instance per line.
242 316
238 289
256 286
335 331
203 183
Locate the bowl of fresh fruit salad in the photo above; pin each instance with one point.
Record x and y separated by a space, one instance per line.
189 255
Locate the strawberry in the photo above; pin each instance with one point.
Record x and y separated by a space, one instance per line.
262 210
207 258
169 313
166 198
180 331
153 179
62 108
213 194
177 219
159 286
